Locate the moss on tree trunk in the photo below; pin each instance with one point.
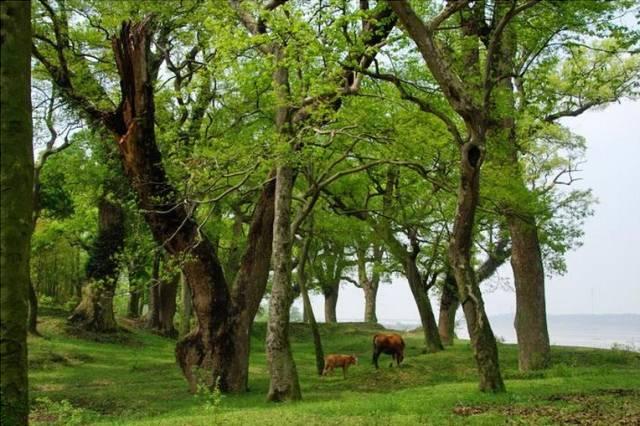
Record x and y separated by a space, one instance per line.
16 207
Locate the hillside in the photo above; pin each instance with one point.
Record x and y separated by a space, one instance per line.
131 378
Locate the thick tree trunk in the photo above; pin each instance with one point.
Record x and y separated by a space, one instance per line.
210 345
531 314
370 296
449 304
483 342
95 310
284 383
331 293
16 180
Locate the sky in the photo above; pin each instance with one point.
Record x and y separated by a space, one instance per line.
603 275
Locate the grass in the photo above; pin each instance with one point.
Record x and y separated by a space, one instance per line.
131 378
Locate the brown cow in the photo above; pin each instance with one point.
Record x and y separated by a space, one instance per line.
333 361
390 344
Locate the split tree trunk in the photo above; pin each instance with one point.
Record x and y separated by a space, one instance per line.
16 177
449 304
531 313
284 383
331 293
95 310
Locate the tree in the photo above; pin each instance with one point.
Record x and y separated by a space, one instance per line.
16 207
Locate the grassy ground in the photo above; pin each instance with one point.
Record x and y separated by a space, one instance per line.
131 378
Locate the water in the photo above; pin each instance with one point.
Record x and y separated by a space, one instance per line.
594 331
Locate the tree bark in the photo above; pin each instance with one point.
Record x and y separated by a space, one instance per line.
421 297
531 314
308 308
16 209
95 310
331 293
483 342
162 301
284 383
369 285
153 316
33 309
210 345
449 304
187 308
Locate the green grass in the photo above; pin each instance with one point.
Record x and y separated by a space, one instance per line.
131 378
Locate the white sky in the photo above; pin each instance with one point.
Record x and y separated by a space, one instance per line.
603 276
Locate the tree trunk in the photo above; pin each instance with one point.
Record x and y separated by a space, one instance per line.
16 177
187 307
168 290
95 310
251 282
210 345
33 309
284 383
483 342
531 314
153 316
133 307
421 297
308 309
370 296
369 286
449 304
162 301
331 293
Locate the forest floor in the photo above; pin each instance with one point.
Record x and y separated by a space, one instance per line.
130 377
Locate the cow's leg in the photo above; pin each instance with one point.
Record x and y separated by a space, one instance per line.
344 371
376 354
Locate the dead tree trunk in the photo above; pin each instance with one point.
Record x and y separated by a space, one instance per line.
95 310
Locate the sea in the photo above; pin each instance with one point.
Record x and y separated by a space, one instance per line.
595 331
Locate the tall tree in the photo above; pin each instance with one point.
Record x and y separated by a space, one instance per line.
16 207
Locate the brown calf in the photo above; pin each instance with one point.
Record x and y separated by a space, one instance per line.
333 361
390 344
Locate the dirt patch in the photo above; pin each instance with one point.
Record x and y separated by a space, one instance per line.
603 406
